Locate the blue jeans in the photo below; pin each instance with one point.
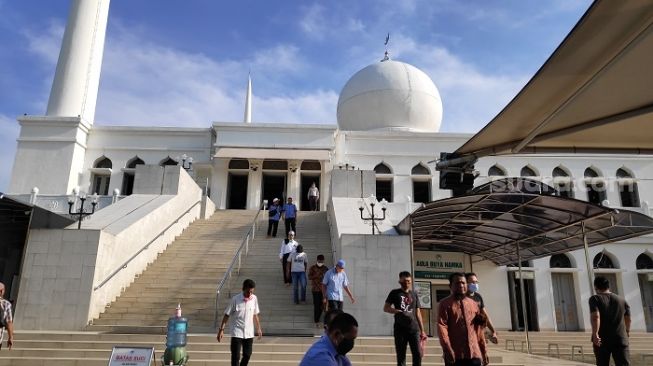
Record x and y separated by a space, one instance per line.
298 278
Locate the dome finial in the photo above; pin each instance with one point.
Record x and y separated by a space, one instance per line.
386 57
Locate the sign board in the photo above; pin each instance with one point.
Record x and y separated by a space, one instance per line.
131 356
438 265
423 290
528 275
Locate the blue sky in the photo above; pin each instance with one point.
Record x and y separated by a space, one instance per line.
172 65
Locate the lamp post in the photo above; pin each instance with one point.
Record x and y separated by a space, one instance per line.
81 212
373 217
187 162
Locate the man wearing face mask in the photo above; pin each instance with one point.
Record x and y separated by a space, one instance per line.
403 303
472 292
332 347
315 275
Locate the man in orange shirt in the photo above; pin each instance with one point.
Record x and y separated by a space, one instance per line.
459 319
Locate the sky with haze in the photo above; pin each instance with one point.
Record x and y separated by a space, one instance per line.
185 63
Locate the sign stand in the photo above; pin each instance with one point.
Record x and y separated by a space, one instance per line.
131 356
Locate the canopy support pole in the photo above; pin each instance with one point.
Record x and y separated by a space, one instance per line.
590 270
523 299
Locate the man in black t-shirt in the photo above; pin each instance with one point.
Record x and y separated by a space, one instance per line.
408 328
472 292
610 319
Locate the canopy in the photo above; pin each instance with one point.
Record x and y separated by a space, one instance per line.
490 222
593 94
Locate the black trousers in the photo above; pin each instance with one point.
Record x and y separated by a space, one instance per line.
620 355
312 202
236 344
404 338
273 225
290 225
284 266
466 362
335 304
317 306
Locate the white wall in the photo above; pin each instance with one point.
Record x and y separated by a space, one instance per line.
62 268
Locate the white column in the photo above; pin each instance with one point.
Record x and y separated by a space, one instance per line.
294 181
254 183
219 182
325 181
76 81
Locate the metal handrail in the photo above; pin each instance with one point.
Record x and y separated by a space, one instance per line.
124 265
237 258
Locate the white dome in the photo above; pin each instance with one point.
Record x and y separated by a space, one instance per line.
390 94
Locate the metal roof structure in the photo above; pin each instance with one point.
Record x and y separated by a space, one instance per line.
593 94
499 218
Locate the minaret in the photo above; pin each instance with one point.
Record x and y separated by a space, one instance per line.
248 100
77 79
65 128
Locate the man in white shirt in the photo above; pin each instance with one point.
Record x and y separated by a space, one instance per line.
298 263
313 197
243 309
288 246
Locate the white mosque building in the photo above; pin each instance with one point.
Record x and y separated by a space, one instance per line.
386 137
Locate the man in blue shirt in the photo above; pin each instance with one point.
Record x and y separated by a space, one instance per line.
332 347
334 282
274 214
290 216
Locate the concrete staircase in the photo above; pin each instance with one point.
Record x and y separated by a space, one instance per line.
187 272
573 345
279 315
40 348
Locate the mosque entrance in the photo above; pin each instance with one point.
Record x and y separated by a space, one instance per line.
306 181
514 292
646 287
274 186
564 299
237 191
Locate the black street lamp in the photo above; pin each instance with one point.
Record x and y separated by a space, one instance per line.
81 212
187 162
373 217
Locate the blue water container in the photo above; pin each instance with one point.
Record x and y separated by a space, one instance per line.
177 332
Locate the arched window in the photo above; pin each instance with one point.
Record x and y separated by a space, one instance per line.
563 182
103 162
421 183
560 261
131 164
238 164
644 261
275 165
101 177
383 184
527 171
496 171
420 169
591 173
603 260
559 172
627 188
595 186
128 176
168 161
382 168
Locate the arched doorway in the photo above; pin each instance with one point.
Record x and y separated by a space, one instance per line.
310 171
604 261
645 262
514 294
275 173
564 296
